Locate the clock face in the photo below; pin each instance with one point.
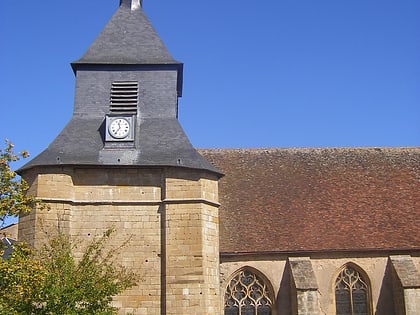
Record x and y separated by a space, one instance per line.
119 128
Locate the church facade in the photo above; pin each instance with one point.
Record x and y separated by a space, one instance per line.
222 231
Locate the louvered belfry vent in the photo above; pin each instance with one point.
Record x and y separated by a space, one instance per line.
124 97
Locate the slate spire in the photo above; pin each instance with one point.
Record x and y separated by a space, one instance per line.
128 38
127 50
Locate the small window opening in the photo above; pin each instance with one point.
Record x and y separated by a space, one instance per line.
124 97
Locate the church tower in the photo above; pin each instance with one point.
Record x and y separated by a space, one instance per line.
124 161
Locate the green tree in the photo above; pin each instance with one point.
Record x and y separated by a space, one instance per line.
21 277
53 281
14 199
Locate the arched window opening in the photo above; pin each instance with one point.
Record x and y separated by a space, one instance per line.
351 293
248 294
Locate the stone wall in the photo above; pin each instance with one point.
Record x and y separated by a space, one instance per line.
406 285
167 217
304 286
325 268
10 231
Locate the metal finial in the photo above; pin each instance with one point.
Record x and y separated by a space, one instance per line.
134 4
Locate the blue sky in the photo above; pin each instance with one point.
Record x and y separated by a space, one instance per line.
275 73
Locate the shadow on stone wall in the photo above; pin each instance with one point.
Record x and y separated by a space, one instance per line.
284 298
385 304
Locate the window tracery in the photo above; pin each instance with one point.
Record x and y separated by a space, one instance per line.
352 293
248 294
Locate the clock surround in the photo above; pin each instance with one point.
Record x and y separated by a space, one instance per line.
119 128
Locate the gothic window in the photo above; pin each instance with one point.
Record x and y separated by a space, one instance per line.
352 293
248 294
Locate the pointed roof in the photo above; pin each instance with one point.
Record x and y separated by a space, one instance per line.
128 38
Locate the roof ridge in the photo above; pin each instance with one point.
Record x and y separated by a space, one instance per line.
311 149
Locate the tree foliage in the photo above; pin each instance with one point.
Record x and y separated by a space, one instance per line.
14 199
20 279
53 281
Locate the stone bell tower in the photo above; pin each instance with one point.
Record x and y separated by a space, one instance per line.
124 161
